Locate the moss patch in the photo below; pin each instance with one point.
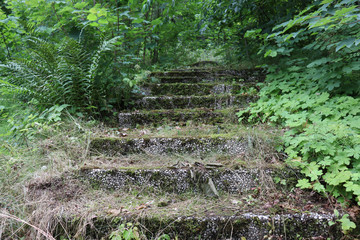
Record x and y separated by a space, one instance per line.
174 102
180 116
197 146
192 89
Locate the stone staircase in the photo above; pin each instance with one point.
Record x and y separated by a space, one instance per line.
181 167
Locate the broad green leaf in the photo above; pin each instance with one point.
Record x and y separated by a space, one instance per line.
312 170
303 183
353 187
319 187
345 43
80 5
102 12
94 24
93 10
353 152
326 1
327 161
344 11
103 21
92 17
156 21
138 20
66 9
271 53
336 177
346 224
319 22
318 62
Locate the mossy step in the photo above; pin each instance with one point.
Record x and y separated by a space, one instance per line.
161 117
238 227
197 178
181 102
78 207
184 73
204 79
254 134
245 73
193 89
169 145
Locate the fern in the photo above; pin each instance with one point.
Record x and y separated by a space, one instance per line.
57 73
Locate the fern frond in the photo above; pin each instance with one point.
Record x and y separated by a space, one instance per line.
105 46
57 73
9 88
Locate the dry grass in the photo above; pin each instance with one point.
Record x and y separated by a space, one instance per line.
61 205
52 151
38 189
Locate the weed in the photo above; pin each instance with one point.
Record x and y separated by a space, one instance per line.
126 231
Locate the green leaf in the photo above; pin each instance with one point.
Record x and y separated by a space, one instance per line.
346 224
353 187
319 187
94 9
92 17
103 21
319 62
102 12
312 171
326 1
156 21
271 53
138 20
128 235
315 22
336 177
80 5
303 183
345 43
94 24
344 11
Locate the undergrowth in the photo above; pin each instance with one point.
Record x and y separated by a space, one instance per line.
35 148
65 73
313 91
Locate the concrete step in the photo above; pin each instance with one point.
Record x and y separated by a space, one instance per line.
203 79
81 209
111 146
246 74
249 226
181 102
198 89
199 178
164 117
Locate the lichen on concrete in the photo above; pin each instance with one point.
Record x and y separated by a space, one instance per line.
175 180
236 227
196 89
191 145
161 117
211 101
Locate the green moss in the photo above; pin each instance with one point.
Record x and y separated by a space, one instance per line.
111 146
194 89
204 116
207 228
198 75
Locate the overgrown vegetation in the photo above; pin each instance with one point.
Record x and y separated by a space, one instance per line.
75 61
313 90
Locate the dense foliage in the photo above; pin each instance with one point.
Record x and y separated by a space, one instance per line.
313 90
87 57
